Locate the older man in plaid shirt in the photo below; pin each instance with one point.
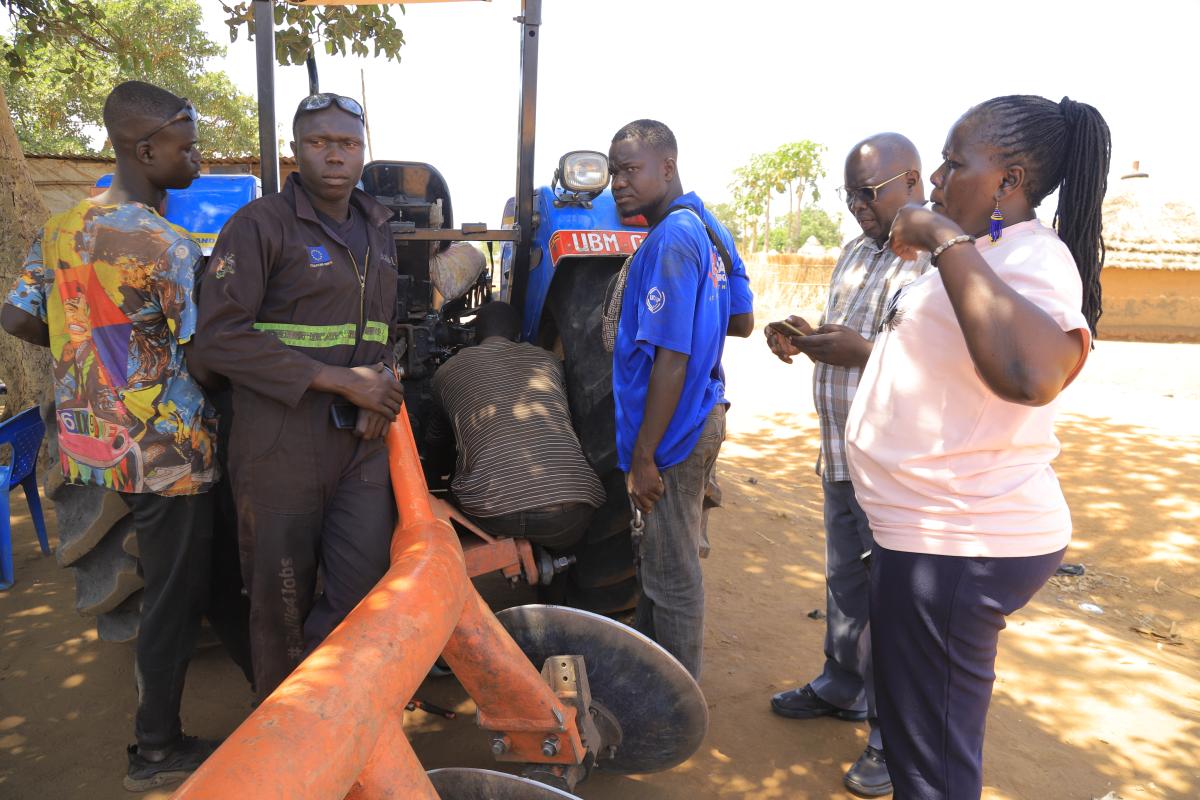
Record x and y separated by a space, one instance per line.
883 173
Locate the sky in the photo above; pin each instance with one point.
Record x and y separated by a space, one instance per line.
739 77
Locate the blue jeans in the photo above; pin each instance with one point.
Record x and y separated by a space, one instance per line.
671 610
846 680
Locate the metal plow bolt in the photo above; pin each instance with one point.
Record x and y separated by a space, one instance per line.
550 747
499 745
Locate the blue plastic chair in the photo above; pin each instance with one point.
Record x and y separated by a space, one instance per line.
23 433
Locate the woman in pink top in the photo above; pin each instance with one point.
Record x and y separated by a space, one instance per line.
951 435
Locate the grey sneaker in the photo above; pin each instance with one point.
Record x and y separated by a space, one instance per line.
176 763
869 776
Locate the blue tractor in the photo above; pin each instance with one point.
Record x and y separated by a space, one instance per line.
559 247
577 246
636 707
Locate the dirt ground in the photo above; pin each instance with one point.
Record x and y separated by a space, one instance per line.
1084 704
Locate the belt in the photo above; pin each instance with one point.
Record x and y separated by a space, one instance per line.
556 509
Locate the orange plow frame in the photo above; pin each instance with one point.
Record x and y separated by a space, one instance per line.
334 727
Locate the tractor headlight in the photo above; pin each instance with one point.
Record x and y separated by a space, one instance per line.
583 171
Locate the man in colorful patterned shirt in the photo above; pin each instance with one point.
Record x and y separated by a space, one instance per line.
108 288
882 174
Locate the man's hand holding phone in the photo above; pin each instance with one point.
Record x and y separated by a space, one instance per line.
780 336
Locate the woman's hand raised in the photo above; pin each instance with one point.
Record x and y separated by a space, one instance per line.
917 228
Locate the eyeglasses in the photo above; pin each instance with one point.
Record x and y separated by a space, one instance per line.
868 194
318 102
186 114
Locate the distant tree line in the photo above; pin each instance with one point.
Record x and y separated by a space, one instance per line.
60 58
791 170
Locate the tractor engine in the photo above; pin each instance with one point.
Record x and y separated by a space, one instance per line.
440 283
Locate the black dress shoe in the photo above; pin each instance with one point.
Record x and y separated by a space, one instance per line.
869 775
803 703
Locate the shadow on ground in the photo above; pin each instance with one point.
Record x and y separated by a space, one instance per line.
1083 704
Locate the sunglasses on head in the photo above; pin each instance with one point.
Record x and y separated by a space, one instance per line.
868 194
186 114
319 102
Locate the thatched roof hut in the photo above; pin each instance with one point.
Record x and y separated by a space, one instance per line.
1144 231
1151 277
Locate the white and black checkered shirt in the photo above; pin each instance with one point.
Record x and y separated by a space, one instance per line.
865 279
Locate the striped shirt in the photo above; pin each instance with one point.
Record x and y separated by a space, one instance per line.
507 404
865 279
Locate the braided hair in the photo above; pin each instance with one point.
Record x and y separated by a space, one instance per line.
1064 146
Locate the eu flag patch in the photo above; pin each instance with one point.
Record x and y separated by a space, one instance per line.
318 256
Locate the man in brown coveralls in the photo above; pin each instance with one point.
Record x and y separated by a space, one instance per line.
297 308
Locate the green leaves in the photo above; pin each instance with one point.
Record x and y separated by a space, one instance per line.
38 22
366 30
814 222
798 165
728 216
67 66
65 55
792 169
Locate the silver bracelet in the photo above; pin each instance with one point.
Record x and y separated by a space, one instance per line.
946 245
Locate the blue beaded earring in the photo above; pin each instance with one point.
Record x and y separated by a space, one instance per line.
997 227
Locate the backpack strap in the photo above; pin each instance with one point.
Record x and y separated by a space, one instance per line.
712 235
721 250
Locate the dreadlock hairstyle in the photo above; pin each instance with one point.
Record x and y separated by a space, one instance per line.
1063 146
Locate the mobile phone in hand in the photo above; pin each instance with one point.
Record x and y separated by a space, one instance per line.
344 416
786 327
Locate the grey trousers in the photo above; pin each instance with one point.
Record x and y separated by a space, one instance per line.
846 680
671 610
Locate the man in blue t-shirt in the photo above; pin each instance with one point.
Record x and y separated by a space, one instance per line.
680 301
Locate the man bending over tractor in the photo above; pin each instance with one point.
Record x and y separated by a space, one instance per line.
520 468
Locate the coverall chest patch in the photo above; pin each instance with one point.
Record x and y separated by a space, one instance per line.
318 256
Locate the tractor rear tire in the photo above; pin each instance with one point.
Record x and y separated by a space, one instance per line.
96 539
601 579
615 599
604 563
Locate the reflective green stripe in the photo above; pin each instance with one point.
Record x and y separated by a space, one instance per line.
310 335
376 332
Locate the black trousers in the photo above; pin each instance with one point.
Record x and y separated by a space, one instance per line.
935 625
309 497
175 549
228 604
556 528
